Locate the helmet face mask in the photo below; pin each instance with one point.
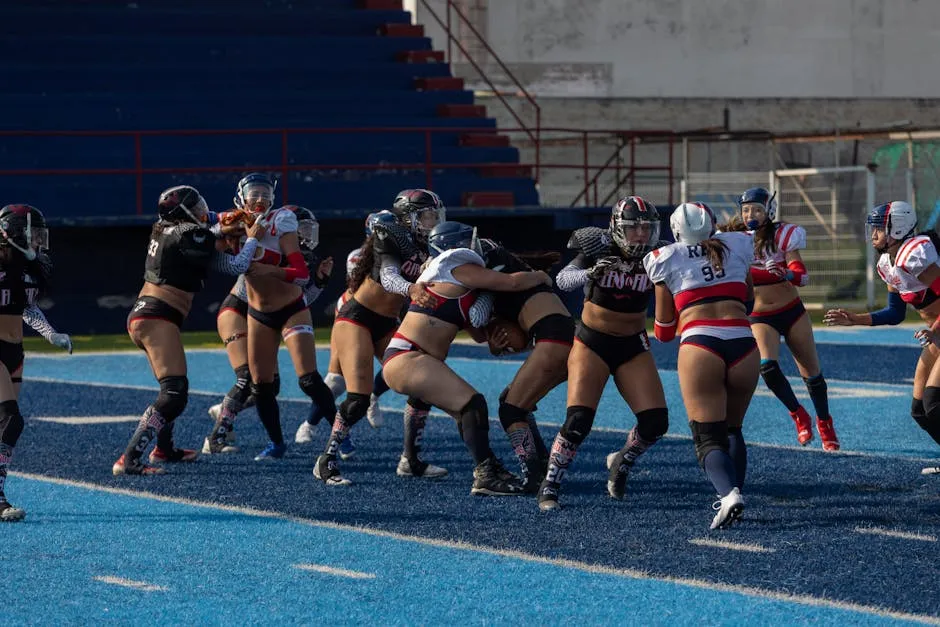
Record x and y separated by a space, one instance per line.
255 193
308 228
23 228
634 226
420 210
183 203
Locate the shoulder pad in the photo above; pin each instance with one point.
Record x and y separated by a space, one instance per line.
394 239
789 237
591 240
459 257
285 221
488 245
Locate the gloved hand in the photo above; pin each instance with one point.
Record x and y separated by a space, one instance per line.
62 340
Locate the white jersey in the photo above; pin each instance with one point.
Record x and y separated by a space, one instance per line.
688 274
352 259
280 221
787 238
441 268
914 257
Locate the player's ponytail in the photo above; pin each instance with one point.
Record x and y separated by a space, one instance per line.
715 250
363 266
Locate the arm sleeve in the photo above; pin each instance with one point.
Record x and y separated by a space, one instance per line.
574 275
240 289
36 319
312 291
391 277
892 314
481 310
236 264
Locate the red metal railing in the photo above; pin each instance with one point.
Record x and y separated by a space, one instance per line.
453 40
137 153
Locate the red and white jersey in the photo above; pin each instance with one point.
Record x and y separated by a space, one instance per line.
787 238
914 257
352 259
690 277
280 221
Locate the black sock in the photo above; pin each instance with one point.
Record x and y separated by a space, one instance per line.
719 468
819 394
737 449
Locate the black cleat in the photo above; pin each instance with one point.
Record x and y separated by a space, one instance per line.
327 471
548 496
617 475
490 478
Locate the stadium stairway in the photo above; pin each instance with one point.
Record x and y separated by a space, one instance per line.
159 65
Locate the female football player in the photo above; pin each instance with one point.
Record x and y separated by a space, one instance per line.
611 341
414 361
778 312
702 282
180 253
909 266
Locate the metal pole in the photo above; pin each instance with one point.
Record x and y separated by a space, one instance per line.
684 182
869 251
910 181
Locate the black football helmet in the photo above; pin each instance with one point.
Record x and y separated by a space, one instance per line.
420 210
182 203
23 227
634 226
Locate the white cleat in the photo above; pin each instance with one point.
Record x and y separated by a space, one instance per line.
215 410
8 513
217 448
729 508
931 470
305 433
374 414
407 468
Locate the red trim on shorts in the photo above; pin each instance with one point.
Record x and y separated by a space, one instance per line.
742 357
355 322
703 347
551 341
224 309
793 303
716 323
136 318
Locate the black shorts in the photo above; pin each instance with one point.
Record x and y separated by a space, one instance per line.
614 350
234 303
508 305
152 308
11 356
780 319
277 319
358 314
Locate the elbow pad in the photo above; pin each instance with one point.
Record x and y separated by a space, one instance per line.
797 274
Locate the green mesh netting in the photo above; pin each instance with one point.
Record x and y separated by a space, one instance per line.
892 164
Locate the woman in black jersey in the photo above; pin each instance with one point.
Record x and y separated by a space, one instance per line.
610 341
414 362
384 278
181 250
24 273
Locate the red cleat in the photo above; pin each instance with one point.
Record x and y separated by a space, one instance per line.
158 455
121 468
827 433
804 426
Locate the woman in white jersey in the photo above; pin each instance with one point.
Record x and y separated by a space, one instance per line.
909 267
414 360
702 282
778 312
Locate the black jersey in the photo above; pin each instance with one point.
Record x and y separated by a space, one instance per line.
508 305
179 255
18 289
619 284
394 245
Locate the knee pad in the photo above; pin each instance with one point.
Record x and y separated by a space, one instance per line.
476 412
264 392
313 385
418 404
652 424
510 414
554 328
578 423
174 394
708 437
354 407
11 423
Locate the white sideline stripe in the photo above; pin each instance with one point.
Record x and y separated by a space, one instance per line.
85 420
143 586
339 572
734 546
904 535
557 425
626 573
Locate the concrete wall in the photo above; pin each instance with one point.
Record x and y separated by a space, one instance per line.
713 48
